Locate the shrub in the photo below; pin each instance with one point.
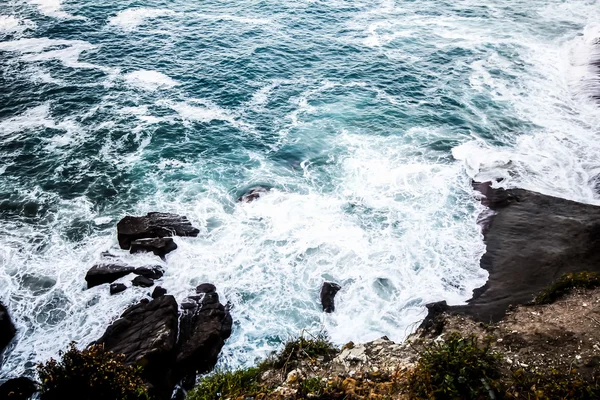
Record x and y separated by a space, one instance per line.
551 385
90 374
299 349
456 368
562 286
227 384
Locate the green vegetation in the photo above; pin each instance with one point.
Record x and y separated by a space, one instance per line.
562 286
228 384
246 382
90 374
456 368
551 385
300 349
460 368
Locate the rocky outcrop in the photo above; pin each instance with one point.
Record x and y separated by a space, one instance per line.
204 326
155 272
100 274
117 288
106 273
148 334
158 291
328 292
159 246
7 329
17 389
252 194
153 225
531 239
142 281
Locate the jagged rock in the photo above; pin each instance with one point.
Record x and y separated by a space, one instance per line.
106 273
252 194
205 324
153 225
7 329
159 246
117 288
142 281
17 389
146 334
328 292
155 272
158 291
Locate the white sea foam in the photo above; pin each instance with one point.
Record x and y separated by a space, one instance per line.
132 18
149 80
236 18
203 110
53 8
32 118
12 24
43 49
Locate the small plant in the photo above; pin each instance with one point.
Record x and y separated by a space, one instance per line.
90 374
456 368
562 286
227 384
312 386
551 385
299 349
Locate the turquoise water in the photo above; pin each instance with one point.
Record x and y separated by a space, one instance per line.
368 119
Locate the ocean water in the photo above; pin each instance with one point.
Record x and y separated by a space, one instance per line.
368 119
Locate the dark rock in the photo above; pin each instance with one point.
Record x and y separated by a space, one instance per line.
205 324
7 329
158 291
328 292
206 288
158 246
432 323
142 281
106 273
17 389
252 194
149 272
531 241
146 334
153 225
117 288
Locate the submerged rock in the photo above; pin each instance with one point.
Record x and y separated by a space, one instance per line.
153 225
106 273
252 194
7 329
328 292
159 246
117 288
17 389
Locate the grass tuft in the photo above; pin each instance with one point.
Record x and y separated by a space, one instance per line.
562 286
